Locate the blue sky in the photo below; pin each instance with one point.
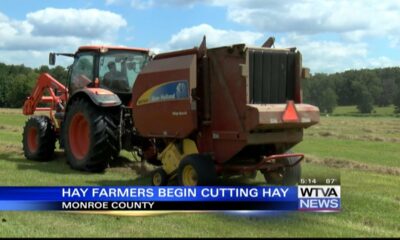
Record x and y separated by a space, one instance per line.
332 35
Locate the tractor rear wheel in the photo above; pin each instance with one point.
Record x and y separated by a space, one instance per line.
39 138
196 170
90 136
285 176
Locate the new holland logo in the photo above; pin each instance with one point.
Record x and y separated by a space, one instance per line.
175 90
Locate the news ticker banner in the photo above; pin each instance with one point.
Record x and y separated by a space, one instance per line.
315 198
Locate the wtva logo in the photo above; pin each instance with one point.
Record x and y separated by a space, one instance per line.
319 198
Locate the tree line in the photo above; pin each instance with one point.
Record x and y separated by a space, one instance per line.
17 82
364 88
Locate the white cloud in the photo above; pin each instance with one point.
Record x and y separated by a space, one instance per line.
29 58
381 62
192 36
142 4
146 4
53 29
353 20
319 55
334 56
86 23
298 16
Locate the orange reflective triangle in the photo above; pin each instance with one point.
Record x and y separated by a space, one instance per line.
290 114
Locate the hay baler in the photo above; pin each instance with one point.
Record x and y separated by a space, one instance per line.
197 113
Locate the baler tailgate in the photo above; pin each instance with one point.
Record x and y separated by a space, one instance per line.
277 116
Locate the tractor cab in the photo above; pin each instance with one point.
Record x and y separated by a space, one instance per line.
111 68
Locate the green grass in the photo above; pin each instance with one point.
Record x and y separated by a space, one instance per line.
12 117
353 111
377 129
360 151
370 199
369 208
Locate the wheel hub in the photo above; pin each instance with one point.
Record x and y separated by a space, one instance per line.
79 139
157 179
189 176
32 139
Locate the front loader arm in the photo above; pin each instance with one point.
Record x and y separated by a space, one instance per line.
45 82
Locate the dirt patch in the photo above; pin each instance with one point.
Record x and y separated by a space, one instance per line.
370 138
326 134
367 130
10 128
369 223
10 111
392 131
11 148
373 138
123 163
346 164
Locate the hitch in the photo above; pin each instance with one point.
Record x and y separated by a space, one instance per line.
267 164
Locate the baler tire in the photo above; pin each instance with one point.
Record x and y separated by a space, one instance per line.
101 134
39 138
159 177
202 166
287 176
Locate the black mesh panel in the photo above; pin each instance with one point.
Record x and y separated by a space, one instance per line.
272 78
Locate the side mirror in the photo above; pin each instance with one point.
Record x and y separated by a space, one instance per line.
305 73
52 59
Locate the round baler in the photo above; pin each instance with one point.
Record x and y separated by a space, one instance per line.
197 114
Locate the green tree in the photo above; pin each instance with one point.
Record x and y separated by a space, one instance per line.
319 90
43 69
396 100
328 100
344 87
364 98
59 73
388 92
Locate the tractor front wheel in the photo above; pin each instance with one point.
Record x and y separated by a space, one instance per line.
39 138
196 170
90 137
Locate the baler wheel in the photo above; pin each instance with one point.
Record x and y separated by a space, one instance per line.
39 138
90 136
159 177
196 170
285 176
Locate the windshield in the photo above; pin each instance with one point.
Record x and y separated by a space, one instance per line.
118 70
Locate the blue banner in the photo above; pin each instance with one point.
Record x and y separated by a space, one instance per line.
149 193
160 198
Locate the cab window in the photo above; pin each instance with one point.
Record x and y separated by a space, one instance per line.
118 70
82 71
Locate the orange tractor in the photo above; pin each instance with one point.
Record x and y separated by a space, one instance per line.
197 113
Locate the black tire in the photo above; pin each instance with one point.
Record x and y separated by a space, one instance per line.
203 167
159 177
285 176
39 138
102 137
